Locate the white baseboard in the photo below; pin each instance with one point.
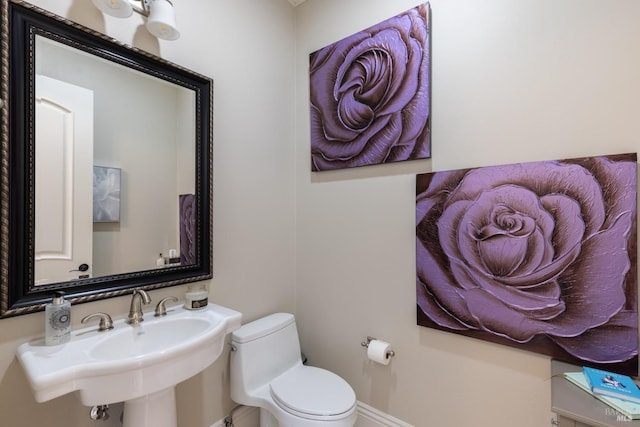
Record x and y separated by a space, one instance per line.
368 416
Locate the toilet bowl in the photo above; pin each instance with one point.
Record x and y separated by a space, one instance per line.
267 372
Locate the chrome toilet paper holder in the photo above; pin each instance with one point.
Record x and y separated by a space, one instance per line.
389 353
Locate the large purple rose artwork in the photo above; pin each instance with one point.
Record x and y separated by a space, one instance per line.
370 97
540 256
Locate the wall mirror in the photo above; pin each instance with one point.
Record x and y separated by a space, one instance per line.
105 165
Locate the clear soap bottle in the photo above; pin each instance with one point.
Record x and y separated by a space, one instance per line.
57 320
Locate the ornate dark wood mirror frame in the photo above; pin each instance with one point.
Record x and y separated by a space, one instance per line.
21 22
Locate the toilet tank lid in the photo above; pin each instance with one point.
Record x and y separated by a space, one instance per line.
261 327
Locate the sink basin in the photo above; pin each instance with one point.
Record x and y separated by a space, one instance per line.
148 338
129 362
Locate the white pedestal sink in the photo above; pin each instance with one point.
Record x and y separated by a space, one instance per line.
139 365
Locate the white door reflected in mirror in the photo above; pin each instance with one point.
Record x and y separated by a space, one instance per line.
64 155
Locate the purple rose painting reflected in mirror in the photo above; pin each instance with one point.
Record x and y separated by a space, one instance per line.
370 95
539 256
187 207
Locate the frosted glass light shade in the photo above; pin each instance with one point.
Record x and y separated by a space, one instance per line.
117 8
162 20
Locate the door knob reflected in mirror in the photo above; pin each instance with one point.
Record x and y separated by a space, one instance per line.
81 267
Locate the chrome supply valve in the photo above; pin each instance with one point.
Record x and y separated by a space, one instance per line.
138 298
99 412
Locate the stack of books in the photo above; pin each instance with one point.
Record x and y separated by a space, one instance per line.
616 390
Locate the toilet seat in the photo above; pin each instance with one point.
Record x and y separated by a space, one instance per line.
313 393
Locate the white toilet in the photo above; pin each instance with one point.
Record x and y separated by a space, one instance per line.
267 372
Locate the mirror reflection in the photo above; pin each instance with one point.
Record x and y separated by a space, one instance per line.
107 174
114 151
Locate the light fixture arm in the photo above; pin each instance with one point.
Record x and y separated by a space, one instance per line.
144 7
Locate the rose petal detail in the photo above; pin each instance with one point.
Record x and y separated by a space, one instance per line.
571 180
617 341
440 297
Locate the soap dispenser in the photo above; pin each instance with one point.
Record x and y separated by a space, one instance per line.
57 320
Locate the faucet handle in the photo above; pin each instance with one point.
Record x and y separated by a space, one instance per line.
161 309
105 321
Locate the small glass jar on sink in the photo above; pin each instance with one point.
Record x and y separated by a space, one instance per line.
196 297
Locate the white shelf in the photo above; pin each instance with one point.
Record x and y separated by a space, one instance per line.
570 402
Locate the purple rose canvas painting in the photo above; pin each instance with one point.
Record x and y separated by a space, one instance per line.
370 95
539 256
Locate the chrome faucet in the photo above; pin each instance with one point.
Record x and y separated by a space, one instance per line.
135 311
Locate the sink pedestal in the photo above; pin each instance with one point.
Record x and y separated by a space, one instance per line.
156 409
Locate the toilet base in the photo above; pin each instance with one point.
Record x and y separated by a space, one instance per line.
267 419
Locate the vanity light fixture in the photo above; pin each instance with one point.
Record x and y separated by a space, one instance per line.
161 19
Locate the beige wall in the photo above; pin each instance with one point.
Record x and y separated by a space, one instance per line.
512 81
247 48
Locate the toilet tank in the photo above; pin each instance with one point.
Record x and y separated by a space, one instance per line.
263 350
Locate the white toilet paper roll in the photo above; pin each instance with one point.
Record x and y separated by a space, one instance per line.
379 351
